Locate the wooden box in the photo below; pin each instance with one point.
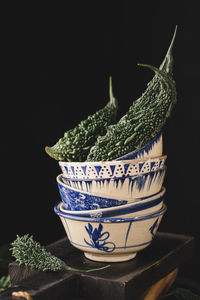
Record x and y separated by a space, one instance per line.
145 277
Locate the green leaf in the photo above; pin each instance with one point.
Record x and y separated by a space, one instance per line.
4 283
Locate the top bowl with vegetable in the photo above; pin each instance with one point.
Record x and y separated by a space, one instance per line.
102 138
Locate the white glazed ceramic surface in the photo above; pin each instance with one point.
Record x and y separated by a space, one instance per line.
125 188
153 148
110 239
110 169
141 207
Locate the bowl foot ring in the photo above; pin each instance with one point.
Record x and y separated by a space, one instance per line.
110 258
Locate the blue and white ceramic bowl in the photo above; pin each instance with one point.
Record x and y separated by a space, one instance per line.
111 169
125 188
153 148
110 239
142 207
76 200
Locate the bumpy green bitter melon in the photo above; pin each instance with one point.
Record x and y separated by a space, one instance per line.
76 143
144 119
30 253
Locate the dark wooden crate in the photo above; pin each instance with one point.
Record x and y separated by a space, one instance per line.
121 281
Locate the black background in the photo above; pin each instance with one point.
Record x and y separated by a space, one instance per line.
56 63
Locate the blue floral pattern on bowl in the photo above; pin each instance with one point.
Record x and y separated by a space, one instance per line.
139 206
76 200
98 238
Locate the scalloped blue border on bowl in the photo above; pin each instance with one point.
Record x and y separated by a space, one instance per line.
136 181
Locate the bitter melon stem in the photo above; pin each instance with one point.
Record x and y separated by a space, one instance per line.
112 98
167 63
157 71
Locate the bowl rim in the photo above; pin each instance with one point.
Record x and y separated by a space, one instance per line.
109 220
110 162
122 209
115 178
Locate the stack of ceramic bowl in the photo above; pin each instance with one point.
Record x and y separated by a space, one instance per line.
112 209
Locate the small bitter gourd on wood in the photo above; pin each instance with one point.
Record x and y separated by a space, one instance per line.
30 253
76 143
144 119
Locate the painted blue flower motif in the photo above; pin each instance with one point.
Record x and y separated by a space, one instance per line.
153 227
98 238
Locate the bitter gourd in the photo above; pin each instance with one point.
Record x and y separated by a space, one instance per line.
30 253
144 119
76 143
